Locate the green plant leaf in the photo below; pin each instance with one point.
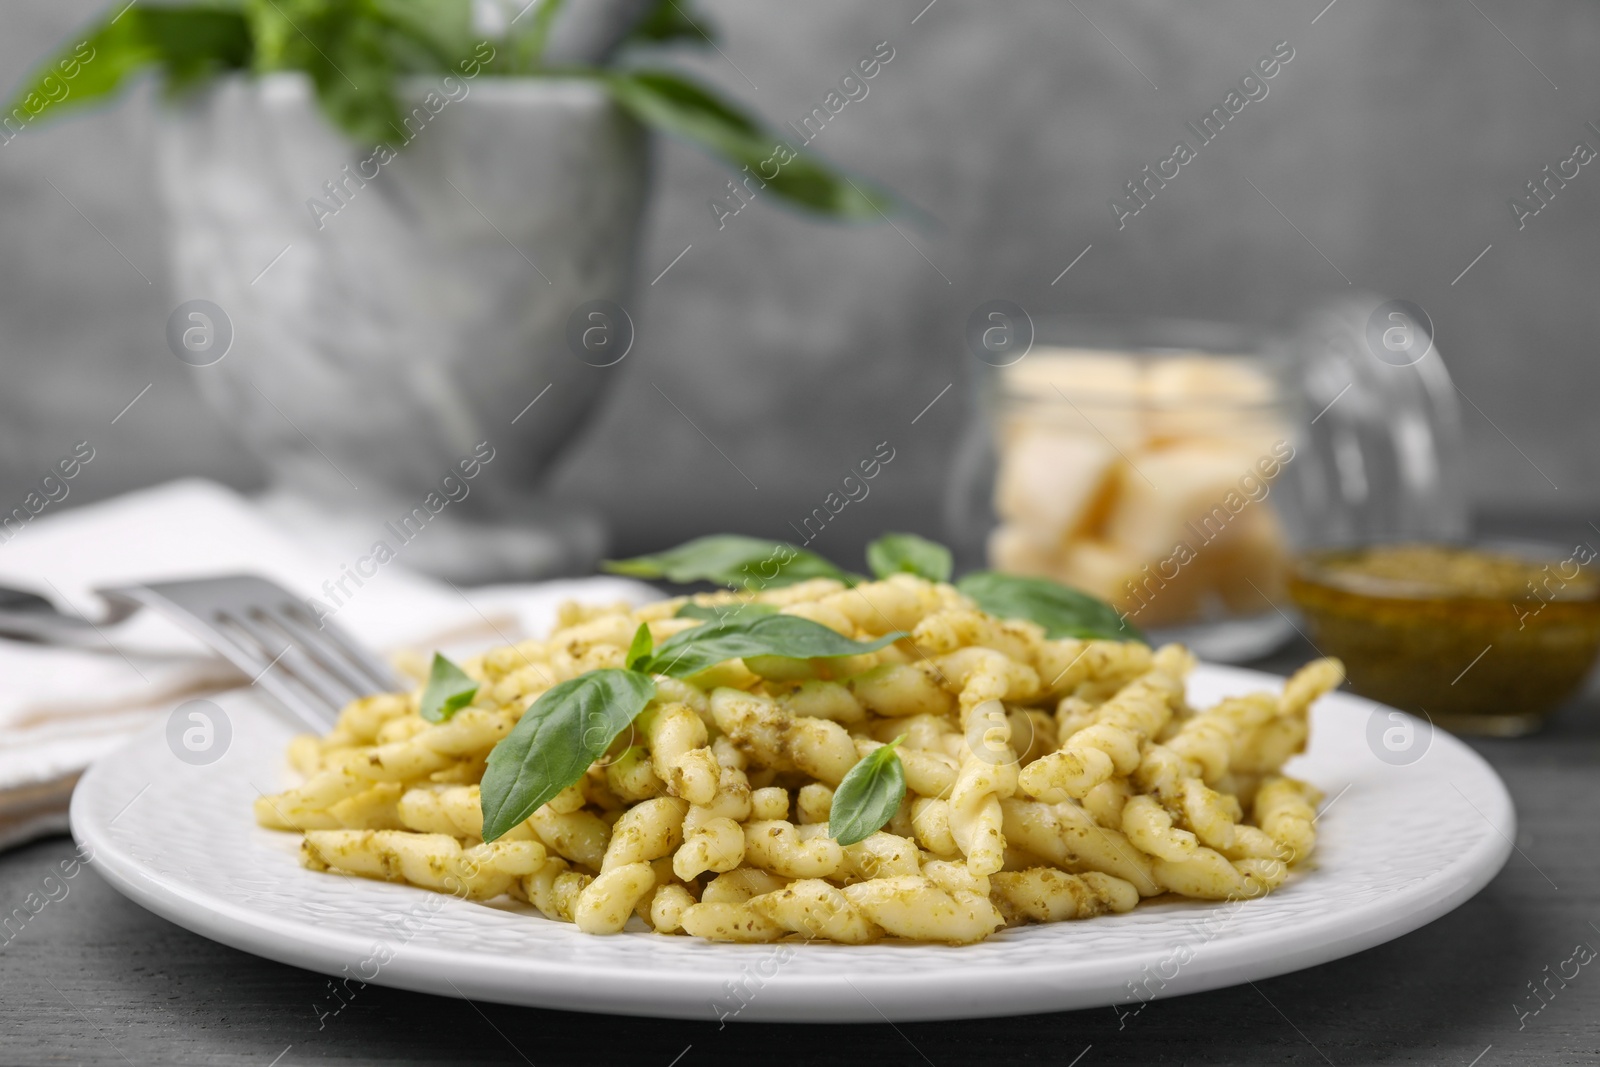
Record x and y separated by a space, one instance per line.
729 559
781 668
1061 611
641 647
528 40
555 741
868 795
449 690
440 31
675 105
725 612
672 21
187 44
692 651
899 553
354 53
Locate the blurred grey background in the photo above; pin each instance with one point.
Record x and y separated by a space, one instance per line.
1391 142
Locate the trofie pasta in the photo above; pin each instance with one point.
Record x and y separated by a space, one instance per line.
1038 779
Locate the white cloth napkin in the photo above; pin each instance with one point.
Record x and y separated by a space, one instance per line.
61 708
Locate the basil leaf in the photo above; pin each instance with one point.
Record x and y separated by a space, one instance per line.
868 796
187 43
641 647
909 554
724 612
670 21
692 651
780 668
527 44
675 105
1061 611
448 690
556 740
729 559
352 52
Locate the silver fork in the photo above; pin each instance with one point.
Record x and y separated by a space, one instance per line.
313 668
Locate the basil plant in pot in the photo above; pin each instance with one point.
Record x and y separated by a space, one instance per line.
403 236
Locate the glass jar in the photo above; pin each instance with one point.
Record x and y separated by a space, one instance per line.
1379 428
1175 467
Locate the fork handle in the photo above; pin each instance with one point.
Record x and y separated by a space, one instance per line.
32 617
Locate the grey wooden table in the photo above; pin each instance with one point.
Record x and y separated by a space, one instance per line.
94 978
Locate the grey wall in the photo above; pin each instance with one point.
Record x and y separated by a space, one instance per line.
1391 141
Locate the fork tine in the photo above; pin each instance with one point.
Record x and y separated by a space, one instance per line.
292 659
260 627
378 673
325 652
238 647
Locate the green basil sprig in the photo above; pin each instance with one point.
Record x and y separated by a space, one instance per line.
675 105
692 651
724 612
448 690
640 647
902 553
1061 611
868 796
566 730
729 559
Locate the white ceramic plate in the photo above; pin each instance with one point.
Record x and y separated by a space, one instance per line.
1400 844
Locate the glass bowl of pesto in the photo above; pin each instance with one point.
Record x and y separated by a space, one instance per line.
1482 639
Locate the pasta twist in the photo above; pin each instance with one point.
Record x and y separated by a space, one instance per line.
881 855
433 861
1209 875
899 691
776 845
667 908
1286 810
980 674
964 627
740 922
449 809
1149 828
606 902
473 731
988 775
818 699
1111 745
714 845
1067 837
1284 735
1067 663
555 889
580 836
1046 895
898 603
814 909
645 832
761 729
1216 821
915 907
676 738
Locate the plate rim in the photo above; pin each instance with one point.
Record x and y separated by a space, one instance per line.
556 984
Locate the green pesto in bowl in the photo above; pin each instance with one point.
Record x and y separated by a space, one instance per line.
1478 640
